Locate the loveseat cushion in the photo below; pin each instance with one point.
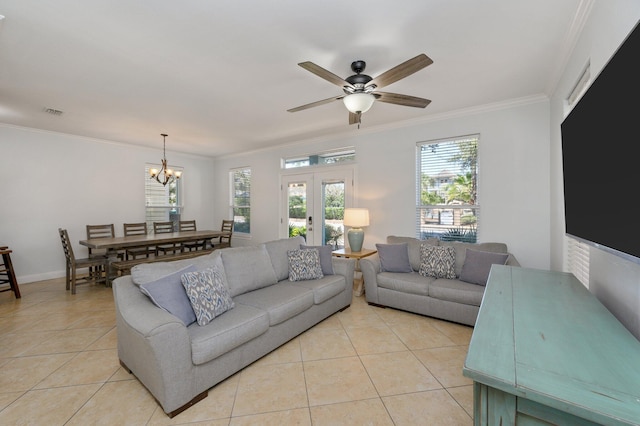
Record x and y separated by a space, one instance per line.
412 282
281 301
325 257
461 250
477 265
394 257
304 264
414 247
277 250
247 268
324 288
168 294
456 291
226 332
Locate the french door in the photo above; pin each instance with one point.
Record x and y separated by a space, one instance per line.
313 205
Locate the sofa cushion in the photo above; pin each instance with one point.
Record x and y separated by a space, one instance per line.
247 268
477 265
456 291
147 272
325 257
437 261
413 247
304 265
208 293
461 250
168 293
412 283
324 288
394 257
236 327
277 250
281 301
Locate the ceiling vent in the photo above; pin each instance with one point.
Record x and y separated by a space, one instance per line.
53 111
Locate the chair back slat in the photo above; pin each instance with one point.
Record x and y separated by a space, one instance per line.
135 229
66 245
100 231
187 225
162 227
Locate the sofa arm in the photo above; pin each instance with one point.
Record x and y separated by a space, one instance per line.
154 345
512 261
345 267
370 267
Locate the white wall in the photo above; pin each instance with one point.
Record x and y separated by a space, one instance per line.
53 180
616 282
513 177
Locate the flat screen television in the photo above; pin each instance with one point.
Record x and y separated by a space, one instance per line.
601 167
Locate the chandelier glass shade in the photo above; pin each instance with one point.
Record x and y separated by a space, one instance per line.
165 175
358 102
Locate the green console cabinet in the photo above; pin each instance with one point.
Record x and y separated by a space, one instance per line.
545 351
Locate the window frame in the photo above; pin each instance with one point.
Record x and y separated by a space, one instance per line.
239 227
454 175
154 203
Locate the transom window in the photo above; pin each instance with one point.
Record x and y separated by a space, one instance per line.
327 157
447 189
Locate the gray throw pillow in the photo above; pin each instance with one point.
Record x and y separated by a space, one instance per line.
437 261
208 293
394 257
168 293
477 265
304 265
325 257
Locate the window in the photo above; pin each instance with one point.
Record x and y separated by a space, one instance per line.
446 189
162 203
327 157
577 253
240 199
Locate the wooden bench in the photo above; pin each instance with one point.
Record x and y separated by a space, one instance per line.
123 267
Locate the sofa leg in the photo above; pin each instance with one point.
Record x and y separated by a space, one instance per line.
198 398
124 366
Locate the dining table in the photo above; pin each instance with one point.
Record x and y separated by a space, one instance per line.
149 240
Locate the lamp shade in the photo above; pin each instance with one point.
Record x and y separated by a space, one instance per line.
358 102
356 217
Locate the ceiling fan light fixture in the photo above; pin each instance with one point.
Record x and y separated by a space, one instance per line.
359 102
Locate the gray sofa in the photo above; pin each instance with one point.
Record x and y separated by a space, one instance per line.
178 363
450 299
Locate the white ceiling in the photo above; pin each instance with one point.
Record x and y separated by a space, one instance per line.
219 76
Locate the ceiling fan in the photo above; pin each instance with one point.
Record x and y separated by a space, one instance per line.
360 90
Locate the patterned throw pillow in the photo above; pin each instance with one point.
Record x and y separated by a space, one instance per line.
208 293
437 261
304 264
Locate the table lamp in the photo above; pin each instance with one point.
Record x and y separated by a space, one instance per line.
356 219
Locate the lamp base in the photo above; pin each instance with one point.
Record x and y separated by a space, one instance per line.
356 238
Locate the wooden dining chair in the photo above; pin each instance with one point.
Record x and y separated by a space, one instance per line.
224 241
165 228
7 274
97 263
101 231
190 225
139 228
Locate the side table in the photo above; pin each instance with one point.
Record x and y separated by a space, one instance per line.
358 281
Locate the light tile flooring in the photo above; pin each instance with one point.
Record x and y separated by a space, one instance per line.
362 366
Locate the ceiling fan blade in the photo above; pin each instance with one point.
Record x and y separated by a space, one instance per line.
323 73
401 71
406 100
316 103
354 118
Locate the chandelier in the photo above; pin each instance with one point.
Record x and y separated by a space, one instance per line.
165 175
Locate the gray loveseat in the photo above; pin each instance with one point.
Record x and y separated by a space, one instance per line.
179 363
451 298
